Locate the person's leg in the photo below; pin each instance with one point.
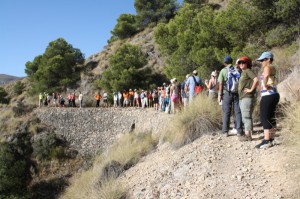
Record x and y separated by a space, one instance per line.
237 114
246 106
266 106
226 108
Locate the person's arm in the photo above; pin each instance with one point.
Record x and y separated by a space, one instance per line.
267 72
209 84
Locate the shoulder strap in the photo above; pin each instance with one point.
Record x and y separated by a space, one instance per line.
197 84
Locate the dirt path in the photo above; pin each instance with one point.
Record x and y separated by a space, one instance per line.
216 167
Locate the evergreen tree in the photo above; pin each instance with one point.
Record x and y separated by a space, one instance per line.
154 11
126 70
125 27
59 67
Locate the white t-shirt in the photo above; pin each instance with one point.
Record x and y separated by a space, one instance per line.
80 97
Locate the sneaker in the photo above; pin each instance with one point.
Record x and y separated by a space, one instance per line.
264 144
233 131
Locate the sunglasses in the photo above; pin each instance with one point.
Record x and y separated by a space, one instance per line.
241 62
265 59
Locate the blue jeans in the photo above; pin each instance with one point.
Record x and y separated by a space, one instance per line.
230 99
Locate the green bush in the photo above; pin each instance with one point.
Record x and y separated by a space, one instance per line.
50 147
22 109
18 88
3 96
14 172
279 36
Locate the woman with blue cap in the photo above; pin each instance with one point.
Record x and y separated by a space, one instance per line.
269 99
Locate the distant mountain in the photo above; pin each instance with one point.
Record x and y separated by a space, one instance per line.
4 79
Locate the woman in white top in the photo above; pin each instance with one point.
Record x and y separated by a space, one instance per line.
212 85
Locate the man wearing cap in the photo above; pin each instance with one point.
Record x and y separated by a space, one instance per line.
229 99
191 84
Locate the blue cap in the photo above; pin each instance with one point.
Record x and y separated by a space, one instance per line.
265 55
228 59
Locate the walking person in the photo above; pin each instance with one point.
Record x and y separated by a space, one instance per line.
228 91
247 89
269 99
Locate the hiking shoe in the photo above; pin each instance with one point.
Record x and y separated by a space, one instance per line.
264 144
233 131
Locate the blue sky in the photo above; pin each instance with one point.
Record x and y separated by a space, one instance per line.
28 26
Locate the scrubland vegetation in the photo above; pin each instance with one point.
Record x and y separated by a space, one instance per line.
195 36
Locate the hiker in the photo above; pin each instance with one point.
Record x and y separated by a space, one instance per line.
115 99
131 97
61 101
136 101
193 82
150 99
98 98
247 88
41 97
80 98
54 96
174 93
228 92
155 99
212 86
105 102
126 98
73 97
69 100
269 99
184 95
120 99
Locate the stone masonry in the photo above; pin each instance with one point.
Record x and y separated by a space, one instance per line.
91 129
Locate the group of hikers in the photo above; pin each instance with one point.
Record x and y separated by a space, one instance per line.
237 89
234 88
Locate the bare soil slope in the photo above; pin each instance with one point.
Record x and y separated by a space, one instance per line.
217 167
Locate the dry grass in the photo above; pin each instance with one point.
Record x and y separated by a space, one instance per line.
129 148
292 122
201 117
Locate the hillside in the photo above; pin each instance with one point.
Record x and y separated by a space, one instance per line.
215 167
5 79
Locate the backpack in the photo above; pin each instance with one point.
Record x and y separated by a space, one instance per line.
233 77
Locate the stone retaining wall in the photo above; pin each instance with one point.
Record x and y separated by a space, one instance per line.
90 129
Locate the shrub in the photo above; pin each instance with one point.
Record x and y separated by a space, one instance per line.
201 117
49 147
13 172
21 109
18 88
3 96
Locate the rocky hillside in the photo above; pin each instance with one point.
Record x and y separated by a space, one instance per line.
98 62
5 79
216 167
